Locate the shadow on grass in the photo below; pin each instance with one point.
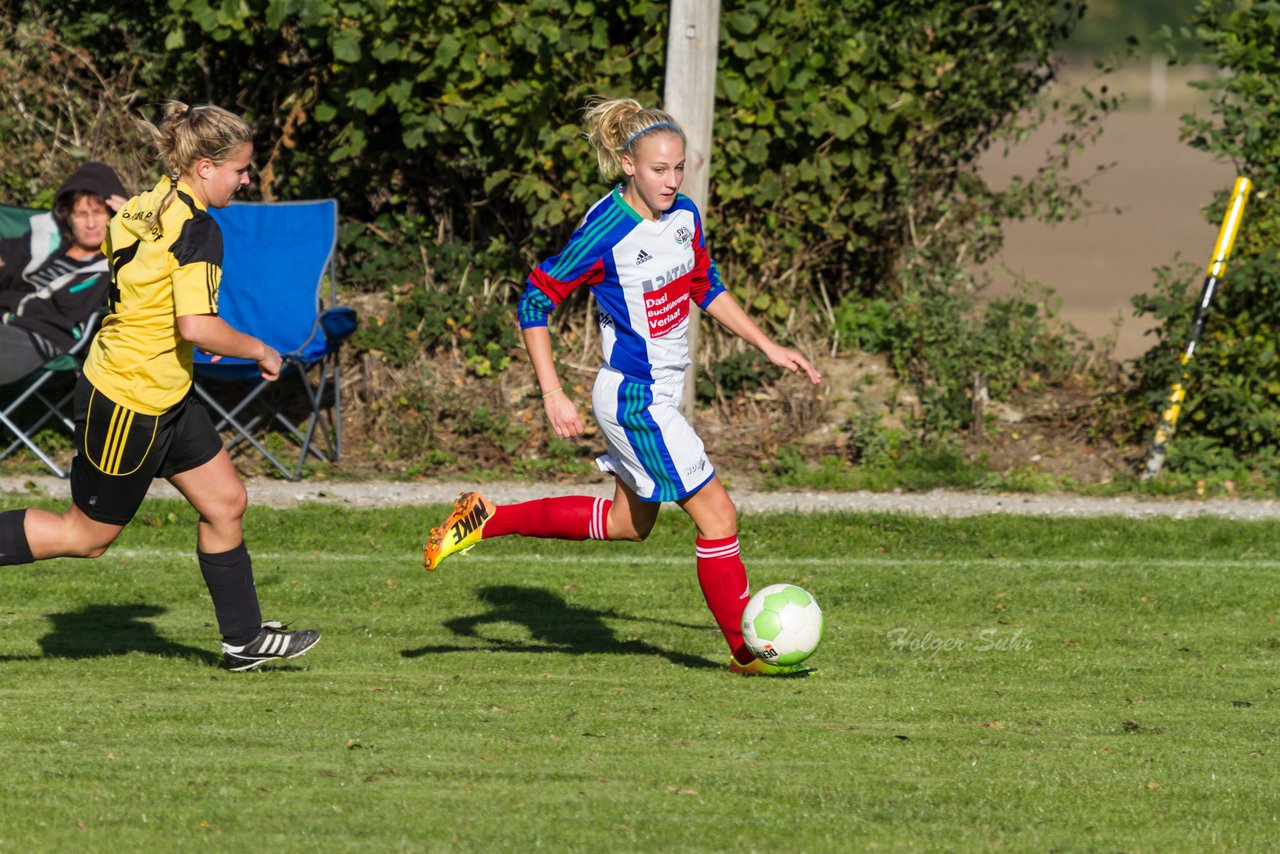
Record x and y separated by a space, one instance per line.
99 631
554 625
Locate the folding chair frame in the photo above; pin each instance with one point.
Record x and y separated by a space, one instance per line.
68 362
331 434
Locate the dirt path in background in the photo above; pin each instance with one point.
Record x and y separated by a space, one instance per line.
275 493
1146 208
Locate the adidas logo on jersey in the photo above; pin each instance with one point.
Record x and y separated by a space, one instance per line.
642 257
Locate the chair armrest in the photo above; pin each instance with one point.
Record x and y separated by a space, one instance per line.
338 323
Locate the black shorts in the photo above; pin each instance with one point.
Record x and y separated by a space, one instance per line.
119 451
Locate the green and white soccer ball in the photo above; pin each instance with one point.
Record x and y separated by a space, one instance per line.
782 624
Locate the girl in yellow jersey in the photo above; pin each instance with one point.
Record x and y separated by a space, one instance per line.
135 416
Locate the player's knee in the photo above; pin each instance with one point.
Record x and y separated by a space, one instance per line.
76 535
719 529
629 530
230 510
722 524
90 545
729 522
629 535
240 503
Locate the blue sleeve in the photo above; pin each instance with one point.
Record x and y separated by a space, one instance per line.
534 308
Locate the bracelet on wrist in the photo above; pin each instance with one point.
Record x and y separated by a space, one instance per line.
553 391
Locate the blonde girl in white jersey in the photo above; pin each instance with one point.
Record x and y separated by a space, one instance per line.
642 252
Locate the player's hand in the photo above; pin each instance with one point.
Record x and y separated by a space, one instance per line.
213 357
269 364
563 415
793 362
116 203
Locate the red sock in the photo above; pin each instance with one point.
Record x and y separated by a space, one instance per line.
724 584
573 517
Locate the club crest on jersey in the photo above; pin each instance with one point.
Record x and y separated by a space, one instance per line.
642 257
683 236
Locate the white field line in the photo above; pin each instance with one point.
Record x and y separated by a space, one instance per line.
411 560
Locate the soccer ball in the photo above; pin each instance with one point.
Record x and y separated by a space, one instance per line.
782 624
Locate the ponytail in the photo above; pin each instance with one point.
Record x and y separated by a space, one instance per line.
187 134
614 127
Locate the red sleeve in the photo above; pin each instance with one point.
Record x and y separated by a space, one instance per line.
705 284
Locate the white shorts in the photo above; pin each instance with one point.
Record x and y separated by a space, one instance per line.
651 447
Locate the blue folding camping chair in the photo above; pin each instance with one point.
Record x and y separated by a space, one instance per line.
277 258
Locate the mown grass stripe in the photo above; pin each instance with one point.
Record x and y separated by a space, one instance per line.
591 554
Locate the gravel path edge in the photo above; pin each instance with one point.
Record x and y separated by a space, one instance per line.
937 503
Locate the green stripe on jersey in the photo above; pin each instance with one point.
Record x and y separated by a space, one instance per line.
622 203
593 233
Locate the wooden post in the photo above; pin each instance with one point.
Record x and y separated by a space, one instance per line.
689 95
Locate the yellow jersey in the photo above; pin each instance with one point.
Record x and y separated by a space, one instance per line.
160 271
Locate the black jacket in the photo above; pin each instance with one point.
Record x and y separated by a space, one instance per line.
56 312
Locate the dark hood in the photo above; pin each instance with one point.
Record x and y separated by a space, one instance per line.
93 177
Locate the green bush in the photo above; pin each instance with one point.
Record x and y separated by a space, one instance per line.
61 106
1233 381
943 338
844 168
1232 411
864 324
845 135
868 442
913 468
737 373
441 297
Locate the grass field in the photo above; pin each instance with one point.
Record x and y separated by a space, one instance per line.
1024 684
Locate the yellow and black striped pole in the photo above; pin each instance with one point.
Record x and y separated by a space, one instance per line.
1221 252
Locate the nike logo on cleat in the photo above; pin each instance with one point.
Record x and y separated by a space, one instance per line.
469 523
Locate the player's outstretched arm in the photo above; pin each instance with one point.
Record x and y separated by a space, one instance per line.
211 334
726 310
561 411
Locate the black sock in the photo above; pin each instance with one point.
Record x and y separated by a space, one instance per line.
229 577
14 548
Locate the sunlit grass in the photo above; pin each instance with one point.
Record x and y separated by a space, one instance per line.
1026 683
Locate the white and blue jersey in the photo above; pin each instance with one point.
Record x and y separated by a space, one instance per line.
643 274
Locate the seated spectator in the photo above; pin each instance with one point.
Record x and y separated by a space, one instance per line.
53 279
